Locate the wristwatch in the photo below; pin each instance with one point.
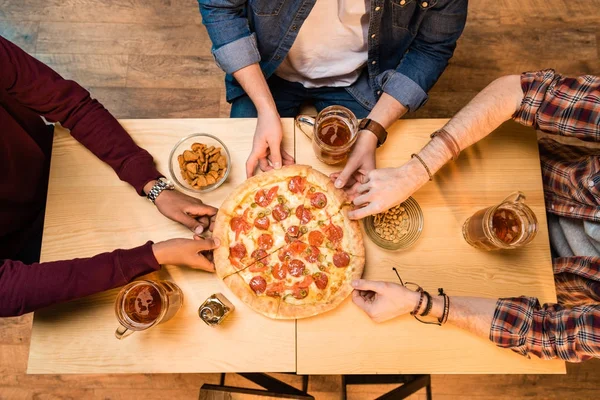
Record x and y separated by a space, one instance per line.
160 185
375 127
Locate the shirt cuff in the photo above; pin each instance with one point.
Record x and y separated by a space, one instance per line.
403 89
512 322
137 261
237 54
138 171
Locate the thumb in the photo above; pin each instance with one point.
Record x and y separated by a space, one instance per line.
363 284
207 244
275 149
342 178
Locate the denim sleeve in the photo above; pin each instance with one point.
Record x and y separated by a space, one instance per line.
234 46
427 56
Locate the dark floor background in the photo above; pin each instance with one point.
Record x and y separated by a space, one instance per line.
151 59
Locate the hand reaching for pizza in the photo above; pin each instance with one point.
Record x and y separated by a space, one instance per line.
386 187
190 253
383 301
267 151
360 162
186 210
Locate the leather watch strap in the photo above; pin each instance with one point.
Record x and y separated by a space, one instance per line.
375 127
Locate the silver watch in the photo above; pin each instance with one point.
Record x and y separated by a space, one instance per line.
160 185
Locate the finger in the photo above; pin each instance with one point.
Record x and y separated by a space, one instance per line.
333 176
190 222
200 210
213 219
263 164
287 158
363 284
275 156
201 262
363 198
346 173
207 244
251 164
360 301
363 212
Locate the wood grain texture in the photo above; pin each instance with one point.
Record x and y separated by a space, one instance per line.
21 33
112 38
189 72
345 340
114 11
90 211
89 69
469 71
158 102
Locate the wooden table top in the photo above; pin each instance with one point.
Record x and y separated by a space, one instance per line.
90 211
346 341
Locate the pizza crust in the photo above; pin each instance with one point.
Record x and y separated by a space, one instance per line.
223 265
353 243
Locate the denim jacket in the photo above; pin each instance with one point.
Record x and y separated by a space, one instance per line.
409 41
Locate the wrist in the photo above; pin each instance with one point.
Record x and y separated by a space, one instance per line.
148 186
159 252
437 310
367 138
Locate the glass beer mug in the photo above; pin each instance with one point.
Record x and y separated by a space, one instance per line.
333 133
142 304
508 225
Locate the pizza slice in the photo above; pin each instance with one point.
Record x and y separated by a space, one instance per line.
311 280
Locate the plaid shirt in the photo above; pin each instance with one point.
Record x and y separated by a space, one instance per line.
569 330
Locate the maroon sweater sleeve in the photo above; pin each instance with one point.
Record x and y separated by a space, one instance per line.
39 88
26 288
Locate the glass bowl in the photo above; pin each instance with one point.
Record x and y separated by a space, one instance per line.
186 144
400 236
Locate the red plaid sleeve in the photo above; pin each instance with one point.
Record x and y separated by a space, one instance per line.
567 106
549 331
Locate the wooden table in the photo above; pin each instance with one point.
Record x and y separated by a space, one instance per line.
90 211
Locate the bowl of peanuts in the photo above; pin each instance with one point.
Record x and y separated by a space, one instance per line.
397 228
199 163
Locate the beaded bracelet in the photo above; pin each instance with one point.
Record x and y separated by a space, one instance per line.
444 318
427 306
418 307
424 165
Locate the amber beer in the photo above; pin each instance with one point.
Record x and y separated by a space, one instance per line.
334 133
508 225
143 304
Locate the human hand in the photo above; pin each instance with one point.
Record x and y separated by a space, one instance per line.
382 301
266 146
186 210
196 253
360 161
385 188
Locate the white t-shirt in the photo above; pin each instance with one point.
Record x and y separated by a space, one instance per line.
331 47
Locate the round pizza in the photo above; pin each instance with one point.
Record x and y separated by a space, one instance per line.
288 249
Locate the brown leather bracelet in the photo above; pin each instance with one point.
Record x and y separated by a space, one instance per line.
376 128
449 141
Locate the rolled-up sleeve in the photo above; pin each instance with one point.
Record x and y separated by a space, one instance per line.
427 56
234 45
548 331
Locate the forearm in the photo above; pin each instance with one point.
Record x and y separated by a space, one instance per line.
387 110
473 314
26 288
489 109
255 85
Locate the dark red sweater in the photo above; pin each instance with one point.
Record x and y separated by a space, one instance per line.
28 90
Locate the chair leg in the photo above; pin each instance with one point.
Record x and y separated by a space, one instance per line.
305 383
222 381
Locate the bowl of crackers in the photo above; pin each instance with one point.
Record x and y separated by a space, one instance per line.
397 228
199 163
